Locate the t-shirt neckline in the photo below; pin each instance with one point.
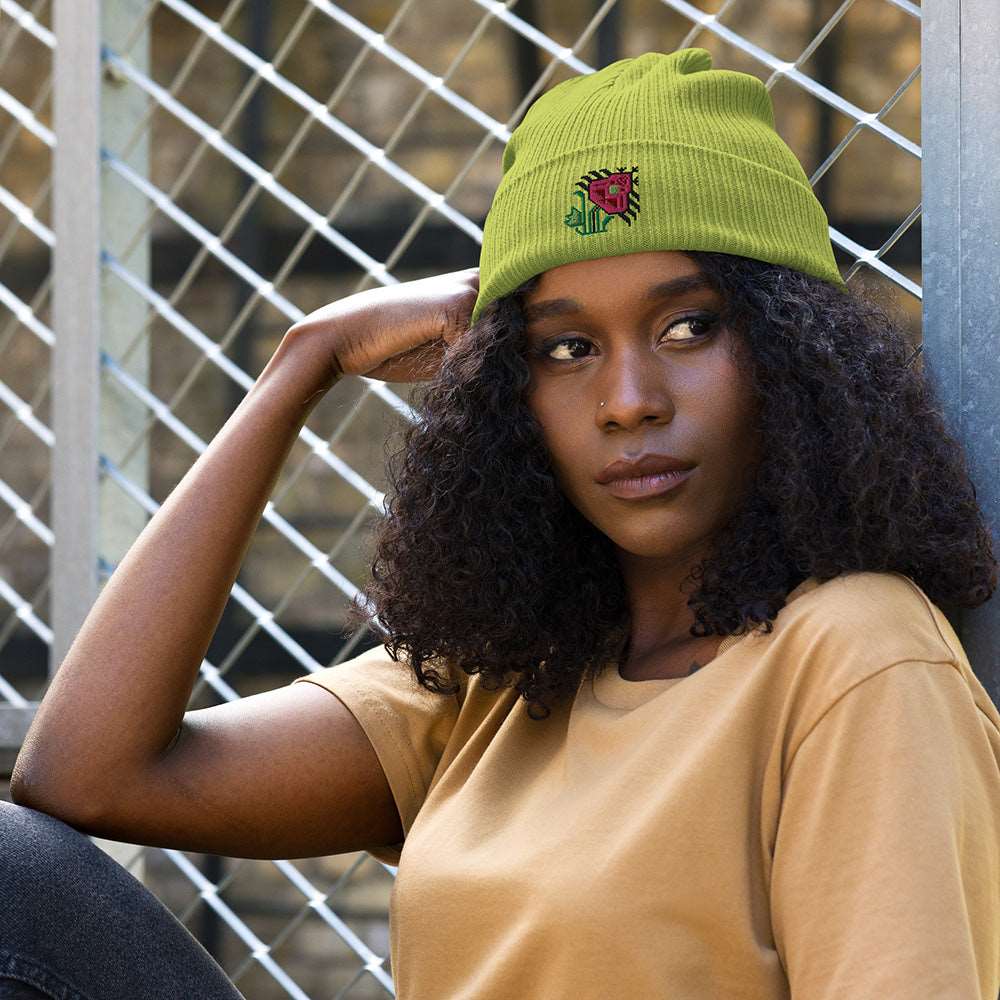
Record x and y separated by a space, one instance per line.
614 691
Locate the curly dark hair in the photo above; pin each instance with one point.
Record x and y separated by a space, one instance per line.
483 564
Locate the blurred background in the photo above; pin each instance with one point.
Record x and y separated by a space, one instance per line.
258 160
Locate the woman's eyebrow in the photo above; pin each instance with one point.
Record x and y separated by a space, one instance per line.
662 290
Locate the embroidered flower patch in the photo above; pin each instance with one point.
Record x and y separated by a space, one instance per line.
604 195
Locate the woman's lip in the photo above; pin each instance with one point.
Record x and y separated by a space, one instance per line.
647 486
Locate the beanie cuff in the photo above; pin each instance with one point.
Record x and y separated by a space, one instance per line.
686 197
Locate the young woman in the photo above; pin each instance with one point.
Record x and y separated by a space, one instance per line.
667 705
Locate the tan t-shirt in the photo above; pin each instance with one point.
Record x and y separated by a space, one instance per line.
814 814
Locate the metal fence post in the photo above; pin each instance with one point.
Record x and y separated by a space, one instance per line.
76 318
960 122
93 210
124 331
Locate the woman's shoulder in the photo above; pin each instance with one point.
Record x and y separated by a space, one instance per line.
835 634
832 636
390 681
884 614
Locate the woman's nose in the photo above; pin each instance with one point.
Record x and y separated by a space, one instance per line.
635 390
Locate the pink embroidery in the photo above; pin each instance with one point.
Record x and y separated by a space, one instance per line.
611 193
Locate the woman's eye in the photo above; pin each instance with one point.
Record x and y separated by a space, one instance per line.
706 323
568 350
693 323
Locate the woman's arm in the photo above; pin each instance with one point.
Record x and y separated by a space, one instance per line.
117 700
886 875
109 719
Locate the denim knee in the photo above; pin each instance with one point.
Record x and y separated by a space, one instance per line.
41 860
78 923
41 857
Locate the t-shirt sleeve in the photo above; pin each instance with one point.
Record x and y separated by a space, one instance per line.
886 867
408 726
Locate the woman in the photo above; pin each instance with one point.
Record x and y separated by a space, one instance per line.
667 704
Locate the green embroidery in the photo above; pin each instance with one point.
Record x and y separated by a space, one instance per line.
584 222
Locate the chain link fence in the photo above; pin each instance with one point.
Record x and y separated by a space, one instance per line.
240 164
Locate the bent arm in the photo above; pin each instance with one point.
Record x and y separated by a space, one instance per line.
117 701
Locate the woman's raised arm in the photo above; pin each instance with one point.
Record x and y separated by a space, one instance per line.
115 707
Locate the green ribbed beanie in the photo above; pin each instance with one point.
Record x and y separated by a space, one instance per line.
658 152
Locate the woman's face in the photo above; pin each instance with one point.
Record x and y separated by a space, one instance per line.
661 363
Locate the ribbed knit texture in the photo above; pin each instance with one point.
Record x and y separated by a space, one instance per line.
658 152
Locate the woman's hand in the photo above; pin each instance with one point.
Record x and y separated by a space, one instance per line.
394 333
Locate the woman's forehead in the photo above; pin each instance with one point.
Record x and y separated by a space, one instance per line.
568 295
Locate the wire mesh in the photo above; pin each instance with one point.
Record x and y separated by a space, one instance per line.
26 440
300 152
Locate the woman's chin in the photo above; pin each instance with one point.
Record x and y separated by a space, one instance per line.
659 540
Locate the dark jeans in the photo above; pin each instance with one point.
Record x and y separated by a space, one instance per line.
76 925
